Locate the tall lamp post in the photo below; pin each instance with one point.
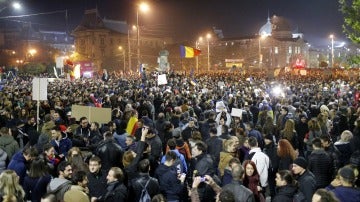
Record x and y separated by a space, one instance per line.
123 50
263 36
143 7
197 43
332 49
208 37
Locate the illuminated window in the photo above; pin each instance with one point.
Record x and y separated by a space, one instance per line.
290 50
276 50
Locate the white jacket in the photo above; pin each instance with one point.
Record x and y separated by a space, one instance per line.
262 162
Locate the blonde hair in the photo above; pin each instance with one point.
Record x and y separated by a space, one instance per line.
227 144
346 136
9 185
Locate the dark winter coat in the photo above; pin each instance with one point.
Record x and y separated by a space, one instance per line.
18 164
170 185
97 183
241 193
35 188
307 184
115 192
321 166
110 154
140 182
285 193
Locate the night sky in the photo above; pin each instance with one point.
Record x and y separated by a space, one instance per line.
188 19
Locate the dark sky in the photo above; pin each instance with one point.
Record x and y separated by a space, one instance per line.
189 19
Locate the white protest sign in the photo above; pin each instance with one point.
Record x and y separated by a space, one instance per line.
162 79
220 106
39 88
236 112
221 84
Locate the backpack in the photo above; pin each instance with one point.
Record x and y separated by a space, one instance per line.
145 197
299 197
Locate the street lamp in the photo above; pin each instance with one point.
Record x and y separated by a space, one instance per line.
262 36
208 36
332 49
143 7
197 43
123 50
16 5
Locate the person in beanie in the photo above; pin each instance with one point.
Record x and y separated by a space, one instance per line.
343 186
305 177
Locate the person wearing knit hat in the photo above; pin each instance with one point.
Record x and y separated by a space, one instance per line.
301 162
305 177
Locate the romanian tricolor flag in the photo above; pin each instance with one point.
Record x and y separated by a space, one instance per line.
189 52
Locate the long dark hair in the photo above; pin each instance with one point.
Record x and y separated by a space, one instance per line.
38 168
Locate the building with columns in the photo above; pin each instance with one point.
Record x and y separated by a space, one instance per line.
98 40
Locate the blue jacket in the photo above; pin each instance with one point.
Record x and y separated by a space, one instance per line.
64 145
18 164
182 160
345 194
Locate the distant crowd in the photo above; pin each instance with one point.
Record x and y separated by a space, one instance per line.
224 136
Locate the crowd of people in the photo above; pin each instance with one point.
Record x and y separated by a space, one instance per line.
211 137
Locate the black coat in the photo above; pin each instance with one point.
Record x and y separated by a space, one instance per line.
97 183
140 182
307 184
35 188
214 144
115 192
110 154
321 165
170 185
285 193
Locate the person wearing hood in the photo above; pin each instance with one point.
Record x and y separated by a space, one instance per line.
61 184
8 143
286 186
60 141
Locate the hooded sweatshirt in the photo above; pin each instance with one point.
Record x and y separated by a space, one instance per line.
58 187
9 145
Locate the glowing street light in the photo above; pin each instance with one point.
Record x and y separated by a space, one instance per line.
332 49
32 52
142 7
15 5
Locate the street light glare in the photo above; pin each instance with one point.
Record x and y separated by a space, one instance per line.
208 36
144 7
16 5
